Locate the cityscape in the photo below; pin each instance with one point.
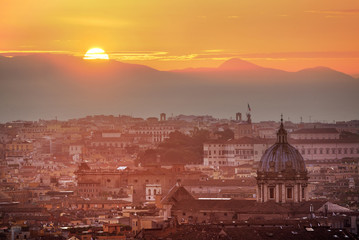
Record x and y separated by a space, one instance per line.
179 120
114 177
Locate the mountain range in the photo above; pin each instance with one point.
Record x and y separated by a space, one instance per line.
49 85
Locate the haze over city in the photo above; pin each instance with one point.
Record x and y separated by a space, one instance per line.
234 119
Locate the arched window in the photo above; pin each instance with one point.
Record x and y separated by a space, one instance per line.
149 191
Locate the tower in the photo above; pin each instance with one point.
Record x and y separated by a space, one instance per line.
163 117
281 175
238 117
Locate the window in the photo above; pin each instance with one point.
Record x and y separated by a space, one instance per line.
271 193
289 193
303 193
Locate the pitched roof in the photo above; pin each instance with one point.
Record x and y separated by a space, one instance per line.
177 193
213 205
242 140
333 208
221 182
315 130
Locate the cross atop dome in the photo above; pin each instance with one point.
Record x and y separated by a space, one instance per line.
282 133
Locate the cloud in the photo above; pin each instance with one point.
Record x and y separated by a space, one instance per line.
94 22
137 55
335 12
32 51
221 54
209 54
213 50
12 53
149 55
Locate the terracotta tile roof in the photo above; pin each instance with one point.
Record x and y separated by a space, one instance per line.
315 131
221 182
214 205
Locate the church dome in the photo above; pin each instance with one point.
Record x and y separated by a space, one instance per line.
282 157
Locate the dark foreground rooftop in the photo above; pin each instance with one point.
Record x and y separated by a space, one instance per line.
206 232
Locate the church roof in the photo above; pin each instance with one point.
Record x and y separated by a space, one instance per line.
177 193
281 156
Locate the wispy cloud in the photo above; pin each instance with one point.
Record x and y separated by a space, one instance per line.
34 51
213 50
137 55
94 22
150 55
335 12
209 54
232 17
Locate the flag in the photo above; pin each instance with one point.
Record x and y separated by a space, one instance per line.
249 108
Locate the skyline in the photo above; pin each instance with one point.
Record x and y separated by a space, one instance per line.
181 34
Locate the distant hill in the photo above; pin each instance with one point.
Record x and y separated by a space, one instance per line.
46 85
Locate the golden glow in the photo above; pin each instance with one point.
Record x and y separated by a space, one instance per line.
284 34
96 53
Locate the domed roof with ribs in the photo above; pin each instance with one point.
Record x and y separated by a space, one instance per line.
282 157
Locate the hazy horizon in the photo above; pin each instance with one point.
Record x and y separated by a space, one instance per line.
50 85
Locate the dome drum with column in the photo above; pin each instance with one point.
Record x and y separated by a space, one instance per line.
281 175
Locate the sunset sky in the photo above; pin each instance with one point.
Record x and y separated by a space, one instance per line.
283 34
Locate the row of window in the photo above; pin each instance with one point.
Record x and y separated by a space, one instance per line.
224 145
96 144
225 152
88 190
154 192
330 151
87 184
146 181
289 193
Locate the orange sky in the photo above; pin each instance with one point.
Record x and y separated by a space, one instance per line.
289 35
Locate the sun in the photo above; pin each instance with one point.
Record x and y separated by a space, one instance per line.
96 53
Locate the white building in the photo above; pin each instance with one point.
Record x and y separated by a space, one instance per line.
234 152
315 133
158 133
244 150
327 149
151 191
